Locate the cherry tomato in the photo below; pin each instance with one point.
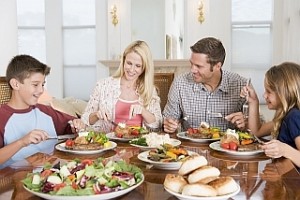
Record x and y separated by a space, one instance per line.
87 162
46 173
233 146
195 130
69 143
119 135
190 130
225 145
135 132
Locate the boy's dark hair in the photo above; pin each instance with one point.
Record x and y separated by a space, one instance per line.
21 67
212 47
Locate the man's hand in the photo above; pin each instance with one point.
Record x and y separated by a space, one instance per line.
170 125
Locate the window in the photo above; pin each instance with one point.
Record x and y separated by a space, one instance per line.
79 47
252 40
31 28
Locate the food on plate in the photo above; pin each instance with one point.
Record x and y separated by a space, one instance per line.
168 153
196 178
152 140
174 182
199 189
224 185
129 132
204 132
238 141
88 141
204 174
191 163
84 177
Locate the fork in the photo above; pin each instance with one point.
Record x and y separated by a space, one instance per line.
245 105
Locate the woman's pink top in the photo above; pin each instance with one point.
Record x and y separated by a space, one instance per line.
122 113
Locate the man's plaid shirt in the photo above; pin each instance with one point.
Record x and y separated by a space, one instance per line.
188 98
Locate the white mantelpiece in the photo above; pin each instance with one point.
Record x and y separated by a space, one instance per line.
176 66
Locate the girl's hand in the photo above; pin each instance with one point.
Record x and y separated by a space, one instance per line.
274 148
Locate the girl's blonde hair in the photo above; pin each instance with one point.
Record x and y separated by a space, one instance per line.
145 82
284 80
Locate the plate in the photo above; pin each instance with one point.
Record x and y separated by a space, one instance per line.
174 142
182 135
161 165
105 196
216 146
61 147
112 136
186 197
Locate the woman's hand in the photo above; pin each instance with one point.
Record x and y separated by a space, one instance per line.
135 110
103 114
237 119
77 125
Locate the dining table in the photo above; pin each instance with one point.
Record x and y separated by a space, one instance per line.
258 176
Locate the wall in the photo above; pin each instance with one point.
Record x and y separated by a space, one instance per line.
8 33
217 23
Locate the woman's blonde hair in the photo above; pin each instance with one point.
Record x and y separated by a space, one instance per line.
284 80
145 82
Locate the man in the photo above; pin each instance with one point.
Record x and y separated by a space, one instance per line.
206 93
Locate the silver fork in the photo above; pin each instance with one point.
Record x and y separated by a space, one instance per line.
245 105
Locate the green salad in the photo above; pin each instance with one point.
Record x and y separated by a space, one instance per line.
84 177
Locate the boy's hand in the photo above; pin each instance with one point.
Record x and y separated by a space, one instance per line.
34 137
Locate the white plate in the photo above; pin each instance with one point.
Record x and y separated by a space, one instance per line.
105 196
174 142
61 147
183 135
112 136
186 197
216 146
161 165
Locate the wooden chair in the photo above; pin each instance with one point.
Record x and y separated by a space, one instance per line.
5 91
163 83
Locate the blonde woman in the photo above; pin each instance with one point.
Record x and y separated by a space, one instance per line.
129 95
282 93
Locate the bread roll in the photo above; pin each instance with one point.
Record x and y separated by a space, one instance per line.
174 182
199 189
224 185
192 163
204 174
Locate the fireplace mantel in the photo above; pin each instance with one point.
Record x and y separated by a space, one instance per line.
161 66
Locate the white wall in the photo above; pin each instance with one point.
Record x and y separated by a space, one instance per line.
113 39
8 33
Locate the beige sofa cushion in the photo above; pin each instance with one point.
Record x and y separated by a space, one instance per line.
69 105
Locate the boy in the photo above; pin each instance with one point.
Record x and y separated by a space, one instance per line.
26 125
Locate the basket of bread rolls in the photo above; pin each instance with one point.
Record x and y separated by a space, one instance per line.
195 179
